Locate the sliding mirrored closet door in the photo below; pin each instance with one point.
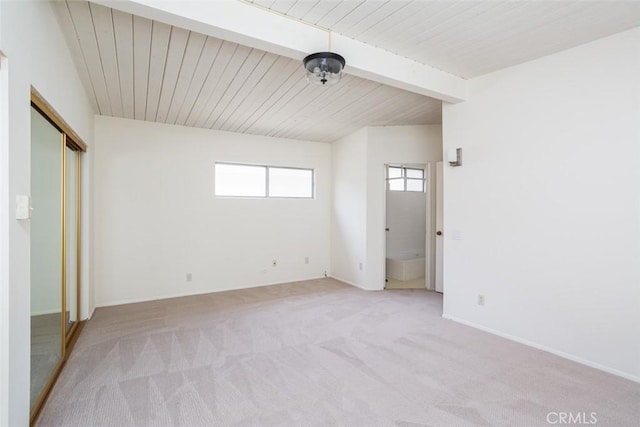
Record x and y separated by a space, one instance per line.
56 154
46 252
72 223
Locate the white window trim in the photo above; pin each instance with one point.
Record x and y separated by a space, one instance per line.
403 177
266 181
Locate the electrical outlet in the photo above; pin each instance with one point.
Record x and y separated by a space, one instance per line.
274 263
306 260
189 277
480 299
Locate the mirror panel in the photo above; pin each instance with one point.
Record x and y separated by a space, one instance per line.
46 252
71 244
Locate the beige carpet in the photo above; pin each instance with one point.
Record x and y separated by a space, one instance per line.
317 353
46 350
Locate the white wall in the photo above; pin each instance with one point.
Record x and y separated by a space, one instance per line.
358 209
406 221
394 144
548 204
36 55
349 208
156 217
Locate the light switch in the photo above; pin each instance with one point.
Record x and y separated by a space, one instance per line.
456 235
23 207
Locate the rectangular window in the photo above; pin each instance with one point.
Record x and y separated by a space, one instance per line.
240 180
400 178
290 182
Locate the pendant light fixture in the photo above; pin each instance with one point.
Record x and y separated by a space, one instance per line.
324 68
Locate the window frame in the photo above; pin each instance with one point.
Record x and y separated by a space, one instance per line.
266 181
404 178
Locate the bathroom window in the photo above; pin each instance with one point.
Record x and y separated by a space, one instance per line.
400 178
258 181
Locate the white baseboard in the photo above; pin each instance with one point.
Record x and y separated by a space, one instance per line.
355 285
535 345
200 292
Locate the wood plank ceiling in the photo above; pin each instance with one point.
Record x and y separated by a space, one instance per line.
462 37
140 69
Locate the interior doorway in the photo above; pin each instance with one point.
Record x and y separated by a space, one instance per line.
407 248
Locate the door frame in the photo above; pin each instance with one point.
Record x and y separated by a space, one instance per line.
439 226
5 216
429 264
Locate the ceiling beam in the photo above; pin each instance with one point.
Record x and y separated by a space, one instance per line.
259 28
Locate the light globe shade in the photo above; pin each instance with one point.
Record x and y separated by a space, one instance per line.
324 68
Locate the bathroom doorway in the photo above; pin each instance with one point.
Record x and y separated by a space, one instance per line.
407 200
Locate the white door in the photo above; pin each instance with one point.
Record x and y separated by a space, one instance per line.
439 223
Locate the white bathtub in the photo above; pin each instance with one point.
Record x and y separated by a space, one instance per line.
405 266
